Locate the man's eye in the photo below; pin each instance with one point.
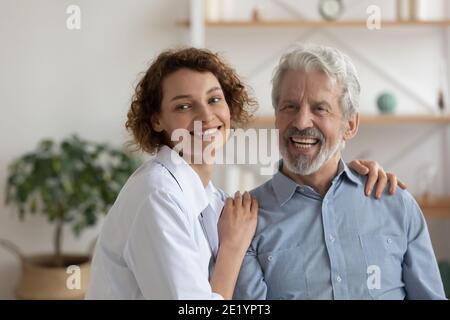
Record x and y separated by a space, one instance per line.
288 107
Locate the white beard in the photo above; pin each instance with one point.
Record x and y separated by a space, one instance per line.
304 166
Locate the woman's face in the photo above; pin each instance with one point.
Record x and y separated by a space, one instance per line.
193 102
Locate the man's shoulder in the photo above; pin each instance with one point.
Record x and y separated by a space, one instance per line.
401 202
399 195
270 208
263 191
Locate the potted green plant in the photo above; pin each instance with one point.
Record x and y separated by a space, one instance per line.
71 183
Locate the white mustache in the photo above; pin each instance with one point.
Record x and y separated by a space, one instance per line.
308 132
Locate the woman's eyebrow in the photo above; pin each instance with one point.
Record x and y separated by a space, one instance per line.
181 96
214 89
184 96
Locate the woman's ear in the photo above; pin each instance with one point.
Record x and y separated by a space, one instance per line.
156 123
352 126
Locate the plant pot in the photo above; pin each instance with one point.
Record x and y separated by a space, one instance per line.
41 280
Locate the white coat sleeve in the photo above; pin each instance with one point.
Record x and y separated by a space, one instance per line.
163 254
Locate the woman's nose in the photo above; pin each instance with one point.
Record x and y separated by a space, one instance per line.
205 113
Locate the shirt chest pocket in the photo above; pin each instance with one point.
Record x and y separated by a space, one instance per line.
384 257
284 273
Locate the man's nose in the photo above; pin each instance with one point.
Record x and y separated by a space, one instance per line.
303 118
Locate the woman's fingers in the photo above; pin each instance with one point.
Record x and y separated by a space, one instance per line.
372 178
237 199
376 177
254 207
392 182
369 168
229 202
246 201
381 183
358 167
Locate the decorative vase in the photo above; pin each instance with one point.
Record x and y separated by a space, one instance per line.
41 280
386 103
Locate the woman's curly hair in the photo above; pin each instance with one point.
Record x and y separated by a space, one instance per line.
148 95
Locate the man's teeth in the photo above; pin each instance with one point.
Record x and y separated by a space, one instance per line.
305 140
304 143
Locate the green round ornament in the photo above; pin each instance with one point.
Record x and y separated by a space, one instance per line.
386 102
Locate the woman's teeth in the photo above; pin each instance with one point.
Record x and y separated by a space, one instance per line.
207 133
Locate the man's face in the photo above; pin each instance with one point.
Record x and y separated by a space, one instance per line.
310 120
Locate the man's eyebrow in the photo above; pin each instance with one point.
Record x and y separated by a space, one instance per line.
289 101
184 96
322 102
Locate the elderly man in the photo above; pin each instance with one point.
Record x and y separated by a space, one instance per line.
318 237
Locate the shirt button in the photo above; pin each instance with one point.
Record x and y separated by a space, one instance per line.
389 240
331 238
269 258
338 279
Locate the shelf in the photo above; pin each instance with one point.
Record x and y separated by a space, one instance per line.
315 23
435 207
268 121
405 119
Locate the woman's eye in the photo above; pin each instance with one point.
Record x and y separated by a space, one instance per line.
214 100
183 107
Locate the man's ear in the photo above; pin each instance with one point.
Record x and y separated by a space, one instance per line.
156 123
352 125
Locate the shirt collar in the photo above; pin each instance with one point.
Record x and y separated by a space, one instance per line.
344 169
211 192
284 187
188 180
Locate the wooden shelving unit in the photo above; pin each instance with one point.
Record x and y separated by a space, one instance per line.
435 207
268 121
315 23
406 119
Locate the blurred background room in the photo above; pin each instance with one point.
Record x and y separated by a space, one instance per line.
68 67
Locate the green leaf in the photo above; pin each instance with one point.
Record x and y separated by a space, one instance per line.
75 180
33 205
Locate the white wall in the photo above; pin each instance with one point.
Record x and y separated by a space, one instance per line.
54 82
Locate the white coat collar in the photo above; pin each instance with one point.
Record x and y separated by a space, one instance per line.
188 180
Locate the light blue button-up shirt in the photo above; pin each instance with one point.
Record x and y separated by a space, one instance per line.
340 246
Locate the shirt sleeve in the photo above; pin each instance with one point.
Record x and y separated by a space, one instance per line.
250 284
420 270
163 253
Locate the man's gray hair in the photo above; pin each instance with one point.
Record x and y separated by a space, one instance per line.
336 65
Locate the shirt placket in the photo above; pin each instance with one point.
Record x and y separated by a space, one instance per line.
334 248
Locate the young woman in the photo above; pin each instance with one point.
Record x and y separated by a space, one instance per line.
171 234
